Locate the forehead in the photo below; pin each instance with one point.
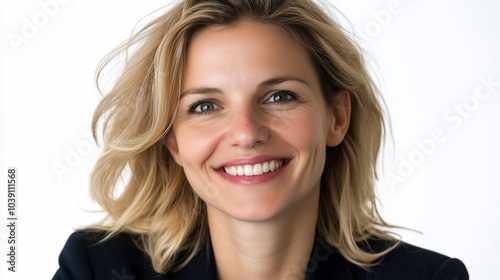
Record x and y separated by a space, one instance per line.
243 49
241 30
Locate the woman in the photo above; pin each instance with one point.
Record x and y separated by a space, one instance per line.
251 130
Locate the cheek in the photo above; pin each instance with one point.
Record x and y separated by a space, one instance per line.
308 136
196 145
307 131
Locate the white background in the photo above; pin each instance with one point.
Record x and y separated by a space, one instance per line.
429 57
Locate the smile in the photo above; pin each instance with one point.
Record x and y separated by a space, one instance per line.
255 169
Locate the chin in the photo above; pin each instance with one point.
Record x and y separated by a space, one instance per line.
256 211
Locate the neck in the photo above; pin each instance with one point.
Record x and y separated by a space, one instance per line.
278 248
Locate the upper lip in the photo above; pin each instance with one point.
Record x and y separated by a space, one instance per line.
250 161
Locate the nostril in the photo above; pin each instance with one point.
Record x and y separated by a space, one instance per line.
247 132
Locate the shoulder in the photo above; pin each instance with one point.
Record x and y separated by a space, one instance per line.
411 262
404 262
86 255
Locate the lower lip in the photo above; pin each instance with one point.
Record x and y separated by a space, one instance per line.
253 180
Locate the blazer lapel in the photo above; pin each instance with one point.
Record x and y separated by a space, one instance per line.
326 263
201 266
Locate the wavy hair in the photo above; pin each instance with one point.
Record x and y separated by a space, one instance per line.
157 202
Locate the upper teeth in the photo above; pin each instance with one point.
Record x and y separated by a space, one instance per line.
252 170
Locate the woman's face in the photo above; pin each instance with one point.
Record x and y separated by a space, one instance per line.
252 126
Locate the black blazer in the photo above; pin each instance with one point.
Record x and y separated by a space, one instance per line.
119 258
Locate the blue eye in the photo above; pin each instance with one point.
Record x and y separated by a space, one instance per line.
281 96
203 107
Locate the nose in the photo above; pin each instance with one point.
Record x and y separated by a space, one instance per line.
247 128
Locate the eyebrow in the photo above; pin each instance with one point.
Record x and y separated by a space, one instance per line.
265 84
279 80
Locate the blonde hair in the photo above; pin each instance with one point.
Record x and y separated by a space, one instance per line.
157 202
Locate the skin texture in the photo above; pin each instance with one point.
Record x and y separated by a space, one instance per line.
251 94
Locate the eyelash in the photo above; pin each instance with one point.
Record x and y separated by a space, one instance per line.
192 107
293 96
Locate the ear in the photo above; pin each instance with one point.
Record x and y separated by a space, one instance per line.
340 118
171 143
